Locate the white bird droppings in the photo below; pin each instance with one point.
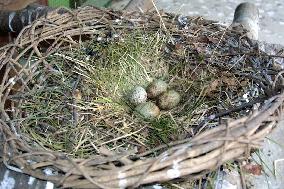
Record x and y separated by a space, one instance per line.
164 157
174 172
122 180
49 185
156 186
31 181
12 80
11 17
7 182
48 172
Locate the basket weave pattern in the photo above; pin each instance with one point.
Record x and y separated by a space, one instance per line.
191 157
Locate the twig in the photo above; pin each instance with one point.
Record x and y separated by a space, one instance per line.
251 54
275 165
74 101
229 111
242 176
161 18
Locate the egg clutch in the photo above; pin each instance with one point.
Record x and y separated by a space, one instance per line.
160 99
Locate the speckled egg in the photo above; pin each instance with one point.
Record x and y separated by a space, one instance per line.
168 100
156 88
138 95
148 110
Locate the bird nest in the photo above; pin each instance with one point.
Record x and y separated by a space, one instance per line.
66 115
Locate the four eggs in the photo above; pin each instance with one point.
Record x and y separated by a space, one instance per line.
162 98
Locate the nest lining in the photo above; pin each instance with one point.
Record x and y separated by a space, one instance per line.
220 73
78 100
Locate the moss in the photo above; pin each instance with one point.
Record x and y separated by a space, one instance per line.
163 131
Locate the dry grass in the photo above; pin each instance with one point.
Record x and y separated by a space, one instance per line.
81 105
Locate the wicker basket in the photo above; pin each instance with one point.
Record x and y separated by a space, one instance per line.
191 157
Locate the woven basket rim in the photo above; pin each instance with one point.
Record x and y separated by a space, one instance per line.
209 149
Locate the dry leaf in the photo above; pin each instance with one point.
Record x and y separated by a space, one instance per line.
254 169
141 149
230 81
212 87
77 95
213 40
